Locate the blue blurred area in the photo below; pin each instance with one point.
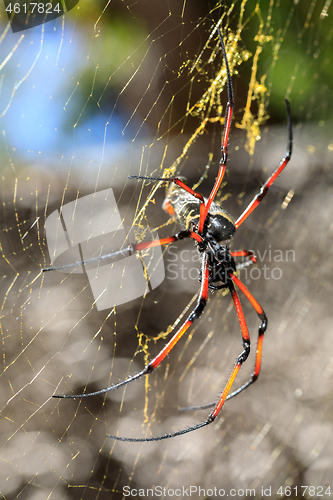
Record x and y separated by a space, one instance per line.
43 99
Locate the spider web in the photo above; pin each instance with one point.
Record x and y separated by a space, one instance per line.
114 89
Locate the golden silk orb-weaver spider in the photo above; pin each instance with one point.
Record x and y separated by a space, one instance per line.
212 228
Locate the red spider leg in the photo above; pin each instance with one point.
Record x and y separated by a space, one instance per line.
262 328
131 248
264 189
218 406
184 186
226 131
204 209
164 241
196 313
201 304
244 253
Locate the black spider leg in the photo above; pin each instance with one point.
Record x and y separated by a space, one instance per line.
218 406
202 300
225 138
135 247
265 187
116 253
204 207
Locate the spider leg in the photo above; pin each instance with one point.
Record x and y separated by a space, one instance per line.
218 406
262 328
226 131
204 208
135 247
244 253
264 189
195 314
184 186
176 180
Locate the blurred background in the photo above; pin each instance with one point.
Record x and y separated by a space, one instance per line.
113 89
